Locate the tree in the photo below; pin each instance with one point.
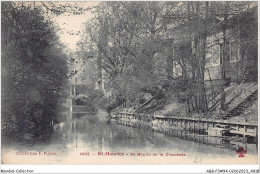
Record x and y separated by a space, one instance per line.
126 42
35 69
138 44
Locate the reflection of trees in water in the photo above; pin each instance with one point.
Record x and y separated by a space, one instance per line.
81 133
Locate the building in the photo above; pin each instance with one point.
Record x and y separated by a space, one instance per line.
212 60
230 51
240 62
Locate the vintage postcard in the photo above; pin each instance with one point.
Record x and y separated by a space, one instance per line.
129 82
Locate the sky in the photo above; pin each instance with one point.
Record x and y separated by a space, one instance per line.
71 28
72 25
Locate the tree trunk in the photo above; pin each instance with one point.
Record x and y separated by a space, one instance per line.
224 58
169 59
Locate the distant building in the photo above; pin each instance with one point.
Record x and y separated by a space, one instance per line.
102 84
240 61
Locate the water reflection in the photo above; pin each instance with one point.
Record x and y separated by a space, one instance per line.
87 132
198 136
78 132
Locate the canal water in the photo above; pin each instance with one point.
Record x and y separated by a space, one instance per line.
80 139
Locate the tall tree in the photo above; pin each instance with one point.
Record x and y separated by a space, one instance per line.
35 68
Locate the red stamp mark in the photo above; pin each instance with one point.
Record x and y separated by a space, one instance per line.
241 151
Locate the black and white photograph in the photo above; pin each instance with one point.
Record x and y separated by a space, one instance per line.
129 83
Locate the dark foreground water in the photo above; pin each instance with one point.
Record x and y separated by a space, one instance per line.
81 138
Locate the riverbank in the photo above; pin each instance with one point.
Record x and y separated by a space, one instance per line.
246 130
79 135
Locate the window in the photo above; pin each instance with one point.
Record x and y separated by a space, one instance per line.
233 51
213 51
213 55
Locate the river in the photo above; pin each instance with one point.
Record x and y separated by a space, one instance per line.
81 139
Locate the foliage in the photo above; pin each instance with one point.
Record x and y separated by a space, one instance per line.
34 69
124 46
138 44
